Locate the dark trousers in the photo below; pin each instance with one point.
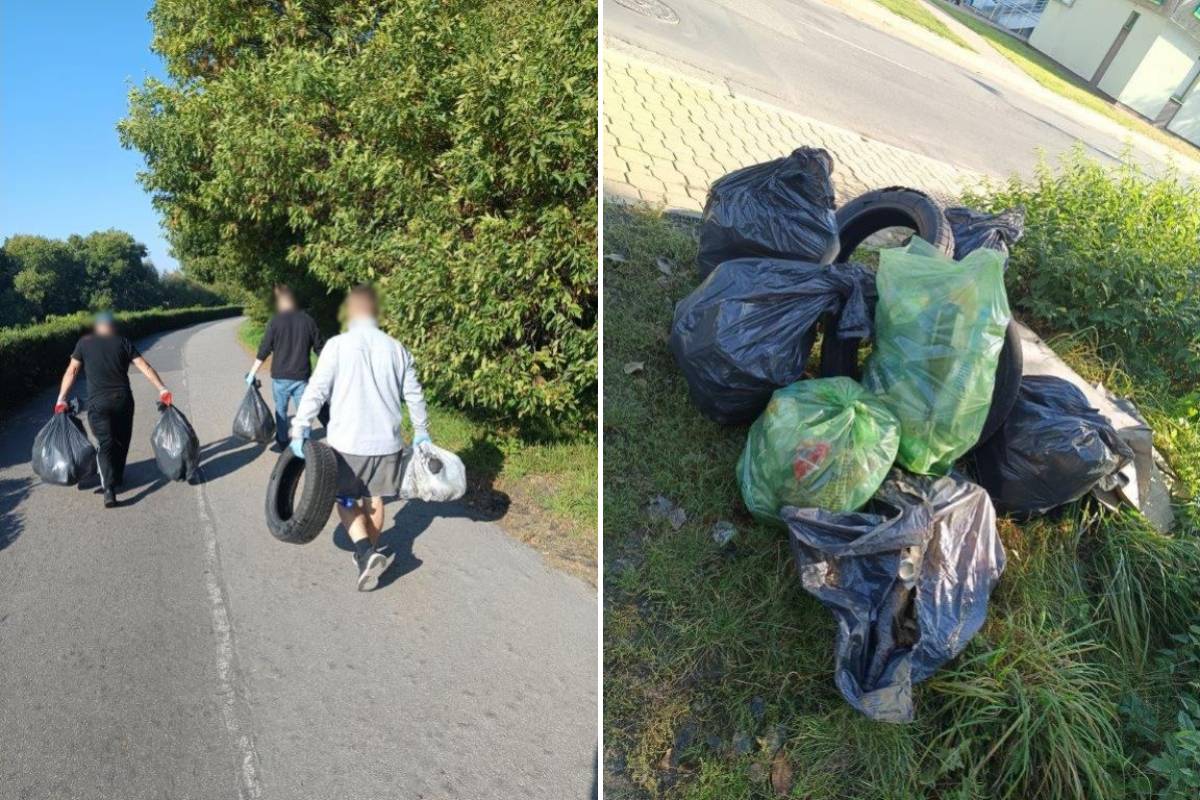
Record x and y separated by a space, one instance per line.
111 420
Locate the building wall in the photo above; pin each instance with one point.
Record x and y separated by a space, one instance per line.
1159 73
1078 36
1154 60
1127 61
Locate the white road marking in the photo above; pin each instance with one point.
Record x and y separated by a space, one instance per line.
249 786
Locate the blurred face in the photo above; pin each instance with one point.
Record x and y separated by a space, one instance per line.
105 329
359 307
284 302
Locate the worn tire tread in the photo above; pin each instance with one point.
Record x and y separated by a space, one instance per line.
312 508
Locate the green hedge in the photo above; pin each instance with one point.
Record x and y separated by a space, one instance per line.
35 356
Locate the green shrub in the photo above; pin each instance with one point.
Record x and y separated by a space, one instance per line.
35 356
444 151
1115 250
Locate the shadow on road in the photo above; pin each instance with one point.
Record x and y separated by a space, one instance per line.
408 523
12 492
220 458
142 475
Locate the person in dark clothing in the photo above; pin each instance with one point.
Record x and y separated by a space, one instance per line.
104 356
290 336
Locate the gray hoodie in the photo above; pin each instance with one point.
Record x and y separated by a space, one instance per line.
367 376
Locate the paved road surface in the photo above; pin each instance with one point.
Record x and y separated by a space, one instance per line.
819 62
171 649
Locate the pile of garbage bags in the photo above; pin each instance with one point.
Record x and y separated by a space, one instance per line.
896 542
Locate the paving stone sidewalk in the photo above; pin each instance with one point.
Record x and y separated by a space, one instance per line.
668 136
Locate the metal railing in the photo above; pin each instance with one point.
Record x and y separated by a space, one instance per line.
1183 14
1013 15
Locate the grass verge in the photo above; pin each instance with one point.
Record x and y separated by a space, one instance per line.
543 493
1058 79
718 666
917 11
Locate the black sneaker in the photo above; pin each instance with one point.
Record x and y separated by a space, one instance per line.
278 448
110 498
371 564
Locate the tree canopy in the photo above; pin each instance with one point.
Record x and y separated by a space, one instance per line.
444 150
42 277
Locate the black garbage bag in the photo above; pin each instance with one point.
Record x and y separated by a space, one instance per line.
782 209
254 421
748 329
908 583
1053 448
975 229
62 453
176 447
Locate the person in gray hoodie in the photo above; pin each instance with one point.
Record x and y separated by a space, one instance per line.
367 377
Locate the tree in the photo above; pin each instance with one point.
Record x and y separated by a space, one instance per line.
118 273
49 277
444 150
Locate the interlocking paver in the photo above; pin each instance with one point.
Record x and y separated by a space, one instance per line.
669 136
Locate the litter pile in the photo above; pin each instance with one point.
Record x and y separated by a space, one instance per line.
886 531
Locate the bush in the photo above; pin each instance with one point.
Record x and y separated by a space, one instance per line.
1115 250
444 151
35 356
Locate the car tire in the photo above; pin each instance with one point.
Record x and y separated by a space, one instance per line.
299 520
894 207
1008 383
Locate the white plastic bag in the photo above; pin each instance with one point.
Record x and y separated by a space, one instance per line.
433 475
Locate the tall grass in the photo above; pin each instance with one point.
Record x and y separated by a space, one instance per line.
1033 713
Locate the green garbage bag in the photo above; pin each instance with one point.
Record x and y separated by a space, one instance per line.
825 443
939 327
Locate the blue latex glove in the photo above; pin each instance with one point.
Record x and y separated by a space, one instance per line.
249 378
298 443
422 439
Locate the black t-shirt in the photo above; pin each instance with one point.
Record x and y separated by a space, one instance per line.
106 361
288 338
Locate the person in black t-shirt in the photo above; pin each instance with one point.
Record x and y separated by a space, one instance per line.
290 336
105 356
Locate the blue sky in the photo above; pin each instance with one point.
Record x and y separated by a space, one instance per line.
65 72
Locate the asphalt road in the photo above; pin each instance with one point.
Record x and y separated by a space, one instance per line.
826 65
171 649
